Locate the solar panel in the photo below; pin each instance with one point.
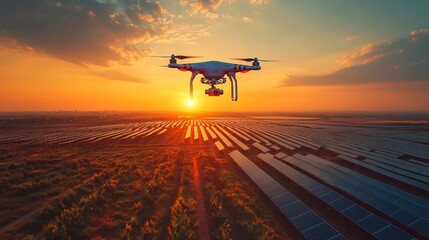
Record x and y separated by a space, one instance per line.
322 231
284 199
373 224
384 206
331 196
405 217
307 220
421 226
411 207
294 209
342 204
390 232
355 213
321 190
274 192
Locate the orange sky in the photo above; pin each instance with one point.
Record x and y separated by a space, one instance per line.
312 75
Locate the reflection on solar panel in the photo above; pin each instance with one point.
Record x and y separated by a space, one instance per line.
204 134
188 132
261 147
222 137
219 145
211 133
196 132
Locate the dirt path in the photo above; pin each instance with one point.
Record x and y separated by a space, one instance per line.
201 209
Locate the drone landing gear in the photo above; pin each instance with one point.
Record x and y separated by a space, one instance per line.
234 86
191 86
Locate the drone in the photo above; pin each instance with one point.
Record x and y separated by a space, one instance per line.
214 72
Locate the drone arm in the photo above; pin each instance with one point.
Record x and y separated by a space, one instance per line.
191 86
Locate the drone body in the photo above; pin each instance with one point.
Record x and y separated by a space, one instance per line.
214 73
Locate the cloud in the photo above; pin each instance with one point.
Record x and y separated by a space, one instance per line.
402 60
204 7
84 31
208 8
259 2
119 76
246 19
351 38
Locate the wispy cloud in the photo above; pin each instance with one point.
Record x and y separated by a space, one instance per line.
119 76
351 37
204 7
259 2
402 60
84 31
246 19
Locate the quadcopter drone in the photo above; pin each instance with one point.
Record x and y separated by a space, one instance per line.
214 73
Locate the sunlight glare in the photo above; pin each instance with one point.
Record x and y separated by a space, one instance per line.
190 103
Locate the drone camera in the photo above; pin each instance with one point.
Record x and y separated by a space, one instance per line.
214 92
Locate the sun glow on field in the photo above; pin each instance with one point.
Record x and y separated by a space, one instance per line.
190 103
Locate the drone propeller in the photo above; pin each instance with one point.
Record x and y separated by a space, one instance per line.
181 57
254 60
265 60
244 59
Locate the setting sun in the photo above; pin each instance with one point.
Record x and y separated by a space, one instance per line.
190 103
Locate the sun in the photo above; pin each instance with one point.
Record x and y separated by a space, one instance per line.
190 103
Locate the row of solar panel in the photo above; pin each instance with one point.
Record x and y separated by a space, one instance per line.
369 222
382 163
381 196
300 215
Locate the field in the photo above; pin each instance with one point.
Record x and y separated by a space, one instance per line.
213 176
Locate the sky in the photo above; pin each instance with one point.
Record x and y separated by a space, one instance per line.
94 55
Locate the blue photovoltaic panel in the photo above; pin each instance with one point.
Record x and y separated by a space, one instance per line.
321 190
411 207
294 209
355 213
330 197
391 232
307 220
309 185
384 206
339 237
421 226
284 199
322 231
342 204
373 224
276 191
405 217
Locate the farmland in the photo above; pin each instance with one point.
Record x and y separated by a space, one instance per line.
134 176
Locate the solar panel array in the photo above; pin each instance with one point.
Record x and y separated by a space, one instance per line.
391 202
